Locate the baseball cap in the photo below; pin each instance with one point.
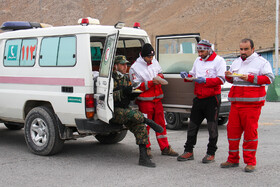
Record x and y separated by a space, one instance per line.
120 59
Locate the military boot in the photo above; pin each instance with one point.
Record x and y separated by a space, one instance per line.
149 152
153 125
144 159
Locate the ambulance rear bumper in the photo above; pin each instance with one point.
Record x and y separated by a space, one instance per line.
86 126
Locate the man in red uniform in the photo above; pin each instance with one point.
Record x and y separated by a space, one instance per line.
249 74
208 73
147 71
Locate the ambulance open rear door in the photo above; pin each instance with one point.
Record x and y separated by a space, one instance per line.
105 83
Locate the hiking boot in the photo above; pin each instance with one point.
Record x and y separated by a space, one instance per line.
149 152
185 156
249 168
208 159
153 125
169 151
228 165
144 159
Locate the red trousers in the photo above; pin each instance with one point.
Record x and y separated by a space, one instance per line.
243 119
154 111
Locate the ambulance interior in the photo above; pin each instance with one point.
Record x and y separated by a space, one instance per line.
129 47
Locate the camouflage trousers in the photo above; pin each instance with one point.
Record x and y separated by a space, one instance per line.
134 121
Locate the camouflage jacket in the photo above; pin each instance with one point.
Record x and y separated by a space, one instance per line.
120 82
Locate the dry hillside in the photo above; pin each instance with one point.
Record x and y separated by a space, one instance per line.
223 22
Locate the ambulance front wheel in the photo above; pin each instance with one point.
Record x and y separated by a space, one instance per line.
41 132
111 138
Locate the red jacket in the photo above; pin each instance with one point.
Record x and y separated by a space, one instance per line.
151 92
252 91
213 69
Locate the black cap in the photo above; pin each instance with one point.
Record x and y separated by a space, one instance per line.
147 50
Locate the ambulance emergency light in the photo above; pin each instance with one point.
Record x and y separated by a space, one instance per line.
88 21
18 25
136 25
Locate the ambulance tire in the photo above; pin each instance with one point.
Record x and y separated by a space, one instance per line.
14 126
111 138
173 120
41 132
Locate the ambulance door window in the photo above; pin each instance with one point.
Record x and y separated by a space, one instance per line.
48 53
28 52
67 51
108 55
96 49
12 52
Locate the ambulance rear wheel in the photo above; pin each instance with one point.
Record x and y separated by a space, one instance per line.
14 126
111 138
41 132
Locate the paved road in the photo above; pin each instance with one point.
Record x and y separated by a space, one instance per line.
85 162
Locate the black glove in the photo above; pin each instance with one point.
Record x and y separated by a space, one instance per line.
127 90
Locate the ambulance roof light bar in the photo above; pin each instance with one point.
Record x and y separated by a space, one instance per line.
119 25
88 21
18 25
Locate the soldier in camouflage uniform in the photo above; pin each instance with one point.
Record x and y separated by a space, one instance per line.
134 120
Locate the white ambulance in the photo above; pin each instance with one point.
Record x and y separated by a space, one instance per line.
48 84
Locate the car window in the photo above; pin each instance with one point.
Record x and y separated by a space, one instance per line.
28 52
67 51
20 52
108 56
177 54
48 53
58 51
12 52
130 48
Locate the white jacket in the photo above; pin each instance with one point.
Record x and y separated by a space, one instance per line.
141 72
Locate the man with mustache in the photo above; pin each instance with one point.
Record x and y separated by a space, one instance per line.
249 75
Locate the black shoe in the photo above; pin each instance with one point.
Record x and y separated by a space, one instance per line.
144 159
146 162
153 125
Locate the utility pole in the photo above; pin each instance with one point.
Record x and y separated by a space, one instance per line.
276 38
